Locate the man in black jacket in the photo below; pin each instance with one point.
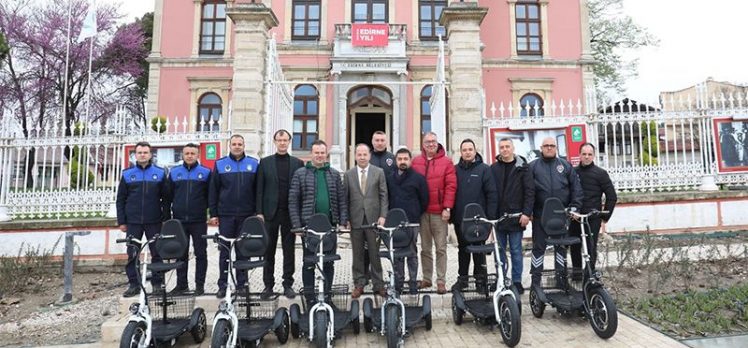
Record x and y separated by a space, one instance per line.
595 182
231 199
475 184
273 180
553 177
384 159
516 195
142 204
408 191
188 187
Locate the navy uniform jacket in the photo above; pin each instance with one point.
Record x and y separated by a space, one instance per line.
142 195
232 187
188 188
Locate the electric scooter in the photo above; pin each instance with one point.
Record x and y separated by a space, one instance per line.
243 320
152 322
325 312
560 289
395 318
492 299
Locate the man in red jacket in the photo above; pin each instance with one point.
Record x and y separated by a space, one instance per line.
442 182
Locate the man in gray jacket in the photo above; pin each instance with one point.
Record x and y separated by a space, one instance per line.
553 177
317 188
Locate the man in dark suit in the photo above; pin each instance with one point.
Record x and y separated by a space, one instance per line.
366 188
273 180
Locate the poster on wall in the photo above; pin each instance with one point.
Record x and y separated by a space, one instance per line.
170 156
732 145
527 141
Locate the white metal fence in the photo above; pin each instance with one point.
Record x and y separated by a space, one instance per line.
672 145
48 174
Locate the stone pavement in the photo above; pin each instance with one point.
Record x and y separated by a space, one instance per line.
552 329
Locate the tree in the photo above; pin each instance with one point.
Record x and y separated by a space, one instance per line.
32 80
611 31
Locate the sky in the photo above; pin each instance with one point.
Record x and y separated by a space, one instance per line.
698 39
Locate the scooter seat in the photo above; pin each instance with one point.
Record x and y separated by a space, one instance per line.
244 265
480 249
310 259
399 253
563 241
164 267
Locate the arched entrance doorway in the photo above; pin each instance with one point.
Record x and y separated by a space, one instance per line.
369 110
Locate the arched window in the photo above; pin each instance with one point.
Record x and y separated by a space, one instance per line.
213 27
305 116
425 109
209 112
532 105
426 113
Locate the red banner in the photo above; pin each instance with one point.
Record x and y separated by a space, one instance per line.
365 34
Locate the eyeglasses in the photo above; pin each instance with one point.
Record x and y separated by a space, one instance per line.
549 146
430 142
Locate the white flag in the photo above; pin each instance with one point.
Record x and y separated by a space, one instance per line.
89 24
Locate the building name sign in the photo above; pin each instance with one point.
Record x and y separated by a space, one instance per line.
370 35
366 65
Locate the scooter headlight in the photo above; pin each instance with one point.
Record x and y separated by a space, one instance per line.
223 306
134 307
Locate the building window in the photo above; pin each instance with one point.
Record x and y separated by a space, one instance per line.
425 109
305 116
527 14
370 11
531 105
429 13
209 112
213 27
306 19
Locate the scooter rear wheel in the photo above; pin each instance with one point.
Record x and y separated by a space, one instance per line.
457 312
200 329
133 336
603 313
511 329
221 333
295 317
536 306
281 332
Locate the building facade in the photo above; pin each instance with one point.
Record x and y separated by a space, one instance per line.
208 64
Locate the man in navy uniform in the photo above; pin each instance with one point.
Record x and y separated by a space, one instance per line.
188 187
231 199
142 204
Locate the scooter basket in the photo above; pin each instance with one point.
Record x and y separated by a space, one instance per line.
258 308
411 300
338 297
479 287
177 307
572 279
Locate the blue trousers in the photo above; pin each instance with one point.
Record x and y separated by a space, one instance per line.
136 231
514 239
196 231
230 227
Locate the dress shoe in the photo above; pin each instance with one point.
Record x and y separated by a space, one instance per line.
520 288
441 289
199 290
133 290
221 293
179 290
267 293
288 292
423 284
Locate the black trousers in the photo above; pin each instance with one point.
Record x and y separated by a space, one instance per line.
282 221
230 227
538 253
576 250
196 231
136 231
463 257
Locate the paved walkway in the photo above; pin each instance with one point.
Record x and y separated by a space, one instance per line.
551 330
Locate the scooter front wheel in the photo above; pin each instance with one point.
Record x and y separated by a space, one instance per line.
457 312
320 329
393 325
200 328
221 334
603 313
281 332
511 327
133 336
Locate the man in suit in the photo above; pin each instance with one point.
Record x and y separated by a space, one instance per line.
366 188
273 180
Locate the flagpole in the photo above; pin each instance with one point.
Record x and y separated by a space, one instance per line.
90 60
67 64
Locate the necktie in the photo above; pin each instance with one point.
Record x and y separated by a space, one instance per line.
363 181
